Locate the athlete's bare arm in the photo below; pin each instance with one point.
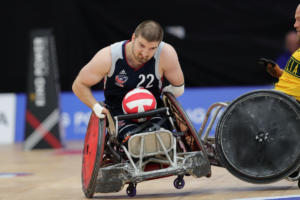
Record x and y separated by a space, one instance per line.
275 71
91 74
170 65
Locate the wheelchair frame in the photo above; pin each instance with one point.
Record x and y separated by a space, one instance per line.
212 140
118 166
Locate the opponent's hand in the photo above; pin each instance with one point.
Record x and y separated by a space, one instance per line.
100 111
267 63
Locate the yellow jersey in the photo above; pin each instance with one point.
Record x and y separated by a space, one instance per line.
289 82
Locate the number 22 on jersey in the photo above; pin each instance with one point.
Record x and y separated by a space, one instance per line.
143 77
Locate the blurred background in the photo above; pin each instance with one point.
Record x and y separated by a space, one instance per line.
218 43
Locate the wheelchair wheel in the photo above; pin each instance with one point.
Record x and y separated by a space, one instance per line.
258 136
183 123
92 153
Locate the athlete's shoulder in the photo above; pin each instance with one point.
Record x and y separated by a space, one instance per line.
168 54
103 57
117 50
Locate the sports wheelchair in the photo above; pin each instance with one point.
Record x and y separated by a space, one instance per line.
157 153
257 137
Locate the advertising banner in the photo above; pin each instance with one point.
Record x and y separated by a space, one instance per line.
7 118
43 109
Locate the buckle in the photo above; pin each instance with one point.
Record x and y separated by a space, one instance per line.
126 138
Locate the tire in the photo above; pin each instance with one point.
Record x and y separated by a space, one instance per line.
257 136
92 153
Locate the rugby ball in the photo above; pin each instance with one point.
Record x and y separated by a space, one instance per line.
138 100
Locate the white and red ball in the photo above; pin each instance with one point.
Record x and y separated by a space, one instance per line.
138 100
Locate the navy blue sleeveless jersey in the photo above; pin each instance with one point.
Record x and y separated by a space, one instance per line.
122 77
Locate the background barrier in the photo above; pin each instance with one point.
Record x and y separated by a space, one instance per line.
7 118
75 115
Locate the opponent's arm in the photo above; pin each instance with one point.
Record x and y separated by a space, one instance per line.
91 74
172 71
271 67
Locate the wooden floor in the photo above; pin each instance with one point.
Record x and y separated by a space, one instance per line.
56 175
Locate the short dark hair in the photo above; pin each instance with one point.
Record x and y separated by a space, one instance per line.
150 30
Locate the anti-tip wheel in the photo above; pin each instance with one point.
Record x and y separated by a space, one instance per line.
179 183
131 190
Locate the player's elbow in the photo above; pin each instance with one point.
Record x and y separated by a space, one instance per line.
76 86
175 90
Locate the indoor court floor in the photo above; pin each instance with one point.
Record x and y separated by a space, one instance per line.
56 174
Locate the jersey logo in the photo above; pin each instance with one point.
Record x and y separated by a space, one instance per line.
121 123
120 79
123 72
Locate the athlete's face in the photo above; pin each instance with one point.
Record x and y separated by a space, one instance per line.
297 23
143 50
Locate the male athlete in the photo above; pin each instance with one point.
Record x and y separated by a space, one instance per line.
142 61
289 78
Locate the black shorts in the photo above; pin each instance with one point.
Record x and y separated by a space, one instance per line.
128 125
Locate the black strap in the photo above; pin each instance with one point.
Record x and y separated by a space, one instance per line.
156 126
139 128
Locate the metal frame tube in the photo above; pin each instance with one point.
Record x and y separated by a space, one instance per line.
174 152
163 146
186 153
295 178
129 157
170 119
117 123
142 151
222 104
214 116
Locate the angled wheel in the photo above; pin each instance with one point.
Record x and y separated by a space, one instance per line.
183 123
257 136
92 153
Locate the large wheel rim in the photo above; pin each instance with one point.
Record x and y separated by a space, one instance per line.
258 136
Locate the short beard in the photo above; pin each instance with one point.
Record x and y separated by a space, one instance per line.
136 58
298 38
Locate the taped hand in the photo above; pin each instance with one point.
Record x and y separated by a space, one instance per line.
266 63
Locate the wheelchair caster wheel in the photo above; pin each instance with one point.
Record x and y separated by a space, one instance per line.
298 183
179 183
131 190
